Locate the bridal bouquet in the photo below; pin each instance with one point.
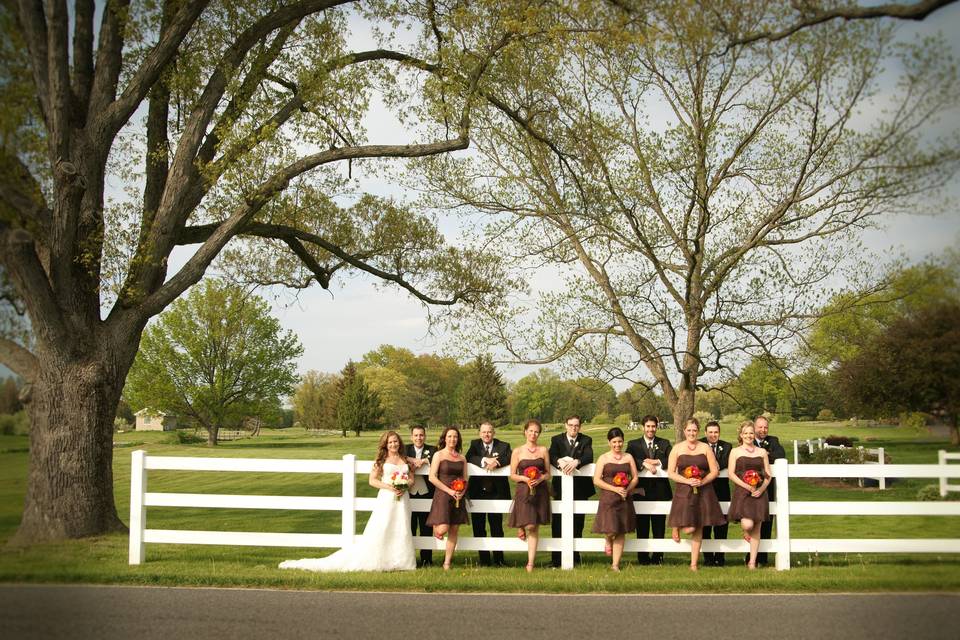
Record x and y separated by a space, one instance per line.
751 477
621 479
458 485
532 473
400 480
693 471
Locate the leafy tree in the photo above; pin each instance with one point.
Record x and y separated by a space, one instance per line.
913 365
535 395
848 322
395 391
216 357
759 386
235 127
686 245
482 394
315 400
9 397
358 407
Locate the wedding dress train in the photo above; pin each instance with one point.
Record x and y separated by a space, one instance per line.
386 543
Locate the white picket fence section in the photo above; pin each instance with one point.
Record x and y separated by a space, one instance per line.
944 457
348 504
820 443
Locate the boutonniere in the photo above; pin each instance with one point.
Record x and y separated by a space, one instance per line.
765 443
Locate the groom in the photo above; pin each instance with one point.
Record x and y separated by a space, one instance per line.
570 451
489 453
418 455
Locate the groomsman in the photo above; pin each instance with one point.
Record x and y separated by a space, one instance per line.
489 453
651 453
570 451
761 427
721 451
418 455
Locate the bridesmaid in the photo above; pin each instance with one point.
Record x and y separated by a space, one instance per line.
531 501
615 514
750 504
446 515
695 503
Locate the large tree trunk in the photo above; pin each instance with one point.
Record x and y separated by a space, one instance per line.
70 486
682 410
212 431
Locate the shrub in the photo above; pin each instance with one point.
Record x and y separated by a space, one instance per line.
733 418
840 441
182 436
929 493
826 415
913 420
601 418
837 456
15 424
703 417
622 420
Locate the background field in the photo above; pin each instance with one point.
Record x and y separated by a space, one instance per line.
104 559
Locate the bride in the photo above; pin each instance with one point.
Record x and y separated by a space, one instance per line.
386 543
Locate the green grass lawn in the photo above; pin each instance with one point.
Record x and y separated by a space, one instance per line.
104 560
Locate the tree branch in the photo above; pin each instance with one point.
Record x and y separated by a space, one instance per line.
21 361
915 11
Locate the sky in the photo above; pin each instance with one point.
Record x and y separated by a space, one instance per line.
348 321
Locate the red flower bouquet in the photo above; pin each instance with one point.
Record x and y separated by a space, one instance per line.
751 477
621 479
692 471
400 480
533 473
458 485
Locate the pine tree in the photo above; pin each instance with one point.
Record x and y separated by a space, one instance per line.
483 395
359 407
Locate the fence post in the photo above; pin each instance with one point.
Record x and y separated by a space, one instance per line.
780 470
348 521
880 460
138 514
566 522
942 460
796 452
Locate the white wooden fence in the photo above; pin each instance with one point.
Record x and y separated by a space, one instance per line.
945 486
820 443
348 504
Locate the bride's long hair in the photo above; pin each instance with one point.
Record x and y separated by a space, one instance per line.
382 448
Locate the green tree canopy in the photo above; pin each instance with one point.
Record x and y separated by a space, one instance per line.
358 408
216 357
482 395
315 400
912 365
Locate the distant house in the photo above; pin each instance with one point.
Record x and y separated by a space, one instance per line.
150 420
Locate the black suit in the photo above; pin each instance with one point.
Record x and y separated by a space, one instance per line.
774 452
653 490
722 488
583 488
418 519
485 488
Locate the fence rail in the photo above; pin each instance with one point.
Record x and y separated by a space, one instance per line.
348 504
943 458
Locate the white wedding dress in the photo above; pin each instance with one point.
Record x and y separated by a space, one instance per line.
386 543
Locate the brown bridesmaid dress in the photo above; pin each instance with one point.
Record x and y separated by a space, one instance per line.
743 505
444 509
689 509
530 509
614 514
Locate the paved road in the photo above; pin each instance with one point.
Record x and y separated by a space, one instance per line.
79 612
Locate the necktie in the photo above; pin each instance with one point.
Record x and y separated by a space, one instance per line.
714 447
572 443
489 451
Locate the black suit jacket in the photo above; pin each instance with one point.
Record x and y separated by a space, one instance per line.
582 450
722 485
774 452
428 451
654 489
485 488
